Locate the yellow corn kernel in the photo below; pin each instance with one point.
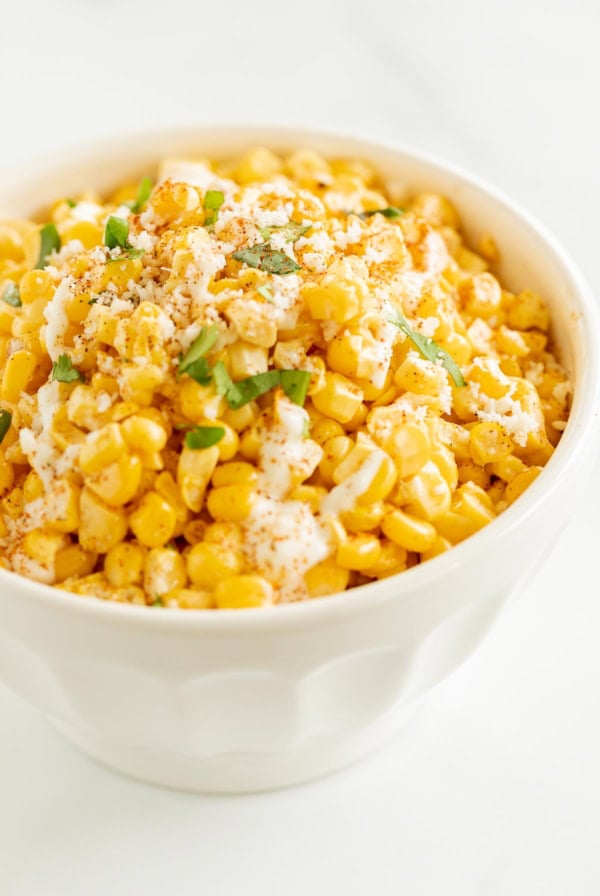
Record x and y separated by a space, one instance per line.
410 446
18 371
520 482
528 312
440 546
338 295
89 233
209 563
251 443
189 599
117 483
105 324
229 445
164 571
100 527
231 503
259 164
234 473
383 479
247 360
408 531
507 468
61 507
193 532
198 402
141 433
82 408
242 592
324 429
358 552
101 448
469 471
491 381
495 491
153 522
12 503
392 559
427 494
36 285
363 518
124 564
120 273
194 470
8 317
252 327
471 511
339 398
470 261
511 342
344 353
489 443
241 418
334 452
309 494
73 562
42 547
482 295
7 480
33 487
326 578
172 199
422 377
138 383
168 489
308 168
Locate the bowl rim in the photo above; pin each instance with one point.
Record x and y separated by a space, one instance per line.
577 437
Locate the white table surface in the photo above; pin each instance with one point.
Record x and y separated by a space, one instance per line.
495 788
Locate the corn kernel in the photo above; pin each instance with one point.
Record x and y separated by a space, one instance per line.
408 531
153 522
194 471
73 561
234 473
164 571
18 371
101 448
339 398
231 503
489 443
210 563
100 527
124 564
359 552
326 578
189 599
520 482
242 592
118 483
141 433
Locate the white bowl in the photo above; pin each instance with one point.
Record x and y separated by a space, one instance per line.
253 699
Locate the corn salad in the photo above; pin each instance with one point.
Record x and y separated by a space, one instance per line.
259 381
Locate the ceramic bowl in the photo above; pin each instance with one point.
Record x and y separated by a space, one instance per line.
236 701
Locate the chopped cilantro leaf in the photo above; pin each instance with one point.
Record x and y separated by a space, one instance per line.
11 295
63 370
213 200
429 349
142 196
295 384
266 292
389 212
291 231
49 243
198 349
203 437
266 259
5 421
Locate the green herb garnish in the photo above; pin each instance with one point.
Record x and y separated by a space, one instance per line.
5 421
266 259
64 372
291 231
11 295
390 211
266 292
94 300
158 602
49 243
306 429
295 384
197 351
203 437
213 200
429 349
142 196
116 235
71 203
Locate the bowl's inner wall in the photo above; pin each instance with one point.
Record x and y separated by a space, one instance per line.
526 260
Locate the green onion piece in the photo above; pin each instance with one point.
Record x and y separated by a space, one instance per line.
390 212
142 196
429 349
71 203
291 231
295 384
158 602
203 437
116 233
266 259
49 243
11 295
129 252
306 429
266 292
63 370
5 421
199 348
213 200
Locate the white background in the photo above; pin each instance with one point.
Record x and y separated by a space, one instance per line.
495 789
